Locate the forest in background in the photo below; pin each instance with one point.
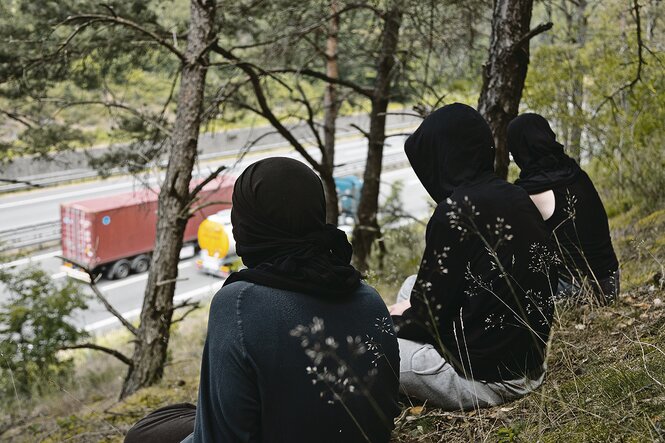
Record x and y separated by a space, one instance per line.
75 74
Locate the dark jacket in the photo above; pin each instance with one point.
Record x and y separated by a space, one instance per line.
580 227
489 325
282 366
484 292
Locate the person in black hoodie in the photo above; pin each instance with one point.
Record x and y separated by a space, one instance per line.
570 206
298 348
473 325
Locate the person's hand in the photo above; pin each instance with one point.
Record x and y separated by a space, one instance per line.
399 308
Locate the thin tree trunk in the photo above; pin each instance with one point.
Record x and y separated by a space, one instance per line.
153 334
505 71
367 227
331 109
577 89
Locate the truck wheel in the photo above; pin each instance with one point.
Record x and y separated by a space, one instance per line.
141 263
119 270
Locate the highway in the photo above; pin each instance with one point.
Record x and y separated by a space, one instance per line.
39 206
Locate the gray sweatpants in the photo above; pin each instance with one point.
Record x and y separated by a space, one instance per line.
426 375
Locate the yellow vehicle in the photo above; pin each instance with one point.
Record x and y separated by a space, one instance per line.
218 248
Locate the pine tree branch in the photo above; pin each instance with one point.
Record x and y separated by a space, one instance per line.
265 111
114 19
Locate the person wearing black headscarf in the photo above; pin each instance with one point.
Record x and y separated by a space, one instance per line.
571 207
474 330
298 348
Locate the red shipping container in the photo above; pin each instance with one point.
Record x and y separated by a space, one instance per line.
100 231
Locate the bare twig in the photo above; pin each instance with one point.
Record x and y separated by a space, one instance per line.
192 307
321 76
265 110
359 129
117 354
207 180
93 285
531 34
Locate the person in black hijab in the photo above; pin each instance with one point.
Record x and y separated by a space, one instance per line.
571 207
298 348
474 331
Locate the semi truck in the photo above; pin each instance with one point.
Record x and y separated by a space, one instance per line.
115 236
217 254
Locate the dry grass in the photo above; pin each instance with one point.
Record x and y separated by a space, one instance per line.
606 372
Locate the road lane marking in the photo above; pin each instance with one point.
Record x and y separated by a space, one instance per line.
65 195
212 287
26 260
140 277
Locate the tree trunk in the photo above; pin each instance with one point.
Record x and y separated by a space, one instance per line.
504 72
153 334
367 227
577 87
331 109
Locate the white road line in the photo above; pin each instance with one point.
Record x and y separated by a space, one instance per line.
26 260
136 278
65 195
213 287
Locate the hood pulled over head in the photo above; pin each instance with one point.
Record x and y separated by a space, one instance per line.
542 161
451 147
279 225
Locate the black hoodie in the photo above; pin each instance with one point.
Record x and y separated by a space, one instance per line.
579 222
483 296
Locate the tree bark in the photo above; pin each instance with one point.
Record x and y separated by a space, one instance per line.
367 227
577 87
153 334
331 109
505 71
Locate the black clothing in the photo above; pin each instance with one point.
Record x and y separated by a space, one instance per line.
542 161
439 150
170 424
483 294
582 233
278 218
264 350
579 223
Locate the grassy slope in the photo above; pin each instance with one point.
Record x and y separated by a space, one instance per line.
606 379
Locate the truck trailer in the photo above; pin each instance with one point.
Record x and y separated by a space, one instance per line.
115 236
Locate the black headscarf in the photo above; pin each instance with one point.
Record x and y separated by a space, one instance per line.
452 146
542 161
278 218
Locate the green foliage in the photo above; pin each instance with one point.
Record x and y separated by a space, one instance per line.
35 324
590 88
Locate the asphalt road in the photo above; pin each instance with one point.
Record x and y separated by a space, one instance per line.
127 295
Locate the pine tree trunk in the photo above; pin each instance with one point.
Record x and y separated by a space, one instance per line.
367 227
153 335
504 72
331 109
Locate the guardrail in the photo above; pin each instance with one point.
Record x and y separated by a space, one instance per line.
60 177
29 235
